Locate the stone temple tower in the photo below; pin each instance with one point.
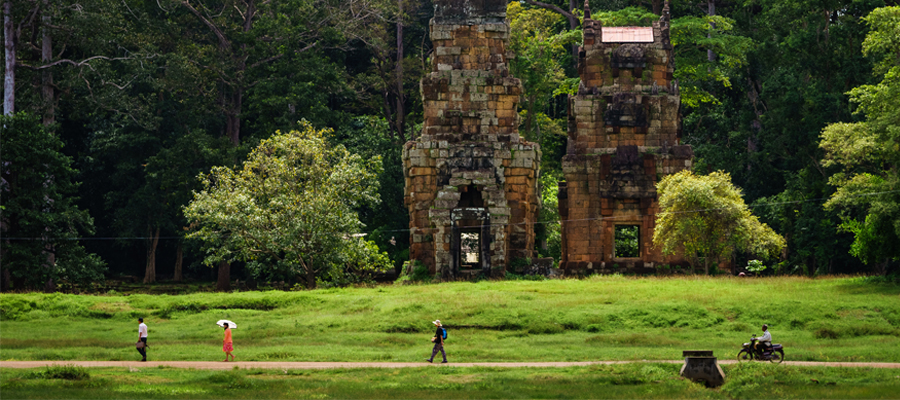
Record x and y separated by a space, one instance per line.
471 181
624 131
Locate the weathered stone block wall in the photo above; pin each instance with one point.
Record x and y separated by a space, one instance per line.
624 130
470 169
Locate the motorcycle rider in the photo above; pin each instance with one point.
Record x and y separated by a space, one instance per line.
765 340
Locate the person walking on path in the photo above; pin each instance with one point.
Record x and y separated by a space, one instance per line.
227 345
438 340
142 337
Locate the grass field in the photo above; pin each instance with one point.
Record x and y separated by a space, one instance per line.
600 318
639 380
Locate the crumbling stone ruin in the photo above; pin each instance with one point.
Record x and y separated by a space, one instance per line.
471 181
624 131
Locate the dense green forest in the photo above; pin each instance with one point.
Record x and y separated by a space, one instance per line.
113 108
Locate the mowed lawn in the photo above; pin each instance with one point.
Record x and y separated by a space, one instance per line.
599 318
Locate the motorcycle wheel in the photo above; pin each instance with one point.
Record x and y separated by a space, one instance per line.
777 357
744 355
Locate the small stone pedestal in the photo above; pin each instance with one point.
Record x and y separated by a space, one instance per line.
700 366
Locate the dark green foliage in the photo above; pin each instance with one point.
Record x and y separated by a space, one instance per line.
40 219
628 16
67 372
626 241
386 223
141 121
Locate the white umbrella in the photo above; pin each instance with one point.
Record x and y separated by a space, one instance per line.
222 323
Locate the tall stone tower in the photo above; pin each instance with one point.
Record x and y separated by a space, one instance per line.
471 181
624 131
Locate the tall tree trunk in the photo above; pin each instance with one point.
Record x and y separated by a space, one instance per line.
310 272
310 275
710 55
401 116
657 6
224 282
47 90
233 118
150 272
9 45
179 258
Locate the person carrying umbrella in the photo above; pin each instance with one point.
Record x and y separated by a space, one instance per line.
227 344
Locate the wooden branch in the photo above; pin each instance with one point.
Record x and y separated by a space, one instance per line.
75 63
551 7
267 60
224 44
248 20
28 19
306 48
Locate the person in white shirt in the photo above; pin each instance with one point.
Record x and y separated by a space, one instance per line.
142 336
766 338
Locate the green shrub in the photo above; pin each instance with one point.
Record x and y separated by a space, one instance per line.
517 264
67 372
755 266
15 308
419 273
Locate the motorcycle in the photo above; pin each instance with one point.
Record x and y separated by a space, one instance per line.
774 354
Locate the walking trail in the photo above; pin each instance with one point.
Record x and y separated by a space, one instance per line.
327 365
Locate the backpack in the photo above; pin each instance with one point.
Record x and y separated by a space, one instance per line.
444 330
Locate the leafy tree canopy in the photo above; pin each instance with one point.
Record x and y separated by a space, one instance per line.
705 218
693 37
290 208
539 47
39 218
868 152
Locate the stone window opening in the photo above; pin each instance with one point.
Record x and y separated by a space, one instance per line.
627 241
470 248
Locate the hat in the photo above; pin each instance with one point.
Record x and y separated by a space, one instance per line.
436 322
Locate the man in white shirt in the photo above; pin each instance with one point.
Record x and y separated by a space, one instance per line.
142 336
766 339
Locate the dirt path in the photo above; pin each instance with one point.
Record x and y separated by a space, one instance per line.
326 365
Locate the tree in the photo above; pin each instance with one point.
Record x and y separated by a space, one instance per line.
705 218
247 56
868 152
765 128
706 51
388 63
538 49
289 210
370 137
39 220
